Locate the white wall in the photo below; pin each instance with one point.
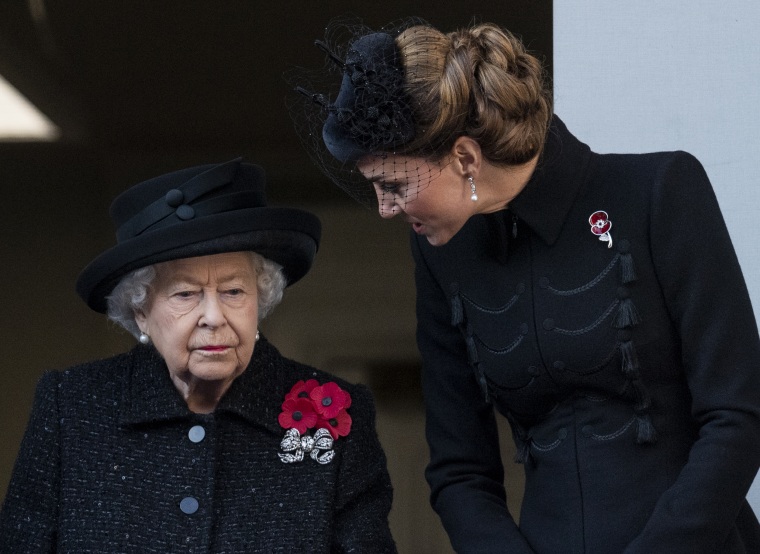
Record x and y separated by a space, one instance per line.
671 75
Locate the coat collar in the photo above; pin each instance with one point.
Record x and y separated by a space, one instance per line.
546 200
149 396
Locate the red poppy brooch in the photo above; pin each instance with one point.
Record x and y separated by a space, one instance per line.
322 409
600 226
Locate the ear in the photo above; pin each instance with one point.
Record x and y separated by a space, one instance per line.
467 156
141 321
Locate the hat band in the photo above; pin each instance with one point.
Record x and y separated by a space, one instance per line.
177 200
184 212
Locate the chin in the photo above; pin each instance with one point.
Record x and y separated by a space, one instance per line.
215 372
437 240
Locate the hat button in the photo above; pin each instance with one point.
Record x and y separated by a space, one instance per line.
174 198
185 212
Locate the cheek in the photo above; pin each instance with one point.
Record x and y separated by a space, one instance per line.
172 335
424 206
174 328
245 323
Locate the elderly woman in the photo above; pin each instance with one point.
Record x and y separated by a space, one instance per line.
202 438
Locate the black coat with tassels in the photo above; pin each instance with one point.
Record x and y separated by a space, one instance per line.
627 363
108 464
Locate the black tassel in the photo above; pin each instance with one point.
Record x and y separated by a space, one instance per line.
483 384
627 314
643 401
521 439
630 359
472 350
645 432
457 310
522 452
627 269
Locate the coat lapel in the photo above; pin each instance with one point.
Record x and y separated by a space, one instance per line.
543 205
257 395
149 396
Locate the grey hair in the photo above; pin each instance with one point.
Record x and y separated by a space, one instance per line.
131 294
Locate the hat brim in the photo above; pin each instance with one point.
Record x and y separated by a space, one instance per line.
287 236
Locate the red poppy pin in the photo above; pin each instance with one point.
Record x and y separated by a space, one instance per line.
308 406
600 226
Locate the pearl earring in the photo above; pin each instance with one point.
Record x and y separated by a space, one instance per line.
143 338
473 195
257 336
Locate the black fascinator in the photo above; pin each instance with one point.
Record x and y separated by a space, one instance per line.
369 114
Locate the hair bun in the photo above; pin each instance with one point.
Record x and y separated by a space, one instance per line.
488 87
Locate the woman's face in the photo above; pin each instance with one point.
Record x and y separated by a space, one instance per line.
432 196
202 317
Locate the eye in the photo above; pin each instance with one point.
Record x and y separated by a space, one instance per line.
235 292
184 294
387 188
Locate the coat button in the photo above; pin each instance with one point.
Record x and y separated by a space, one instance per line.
548 324
587 431
520 288
558 365
534 371
188 505
196 433
543 282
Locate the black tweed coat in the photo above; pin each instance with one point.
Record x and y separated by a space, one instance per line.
109 465
628 368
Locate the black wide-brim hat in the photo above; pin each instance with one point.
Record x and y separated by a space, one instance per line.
199 211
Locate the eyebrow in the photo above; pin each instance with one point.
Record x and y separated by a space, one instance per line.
181 277
385 179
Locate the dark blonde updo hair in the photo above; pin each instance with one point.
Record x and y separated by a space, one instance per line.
480 82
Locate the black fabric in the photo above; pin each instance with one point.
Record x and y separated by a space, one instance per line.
106 461
629 371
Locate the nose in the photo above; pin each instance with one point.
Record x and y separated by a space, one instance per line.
387 205
212 314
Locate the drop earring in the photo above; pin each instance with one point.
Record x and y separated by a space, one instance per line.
473 193
257 336
143 338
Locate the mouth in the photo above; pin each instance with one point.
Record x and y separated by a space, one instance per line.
214 348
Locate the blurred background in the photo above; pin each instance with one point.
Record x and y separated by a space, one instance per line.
125 91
